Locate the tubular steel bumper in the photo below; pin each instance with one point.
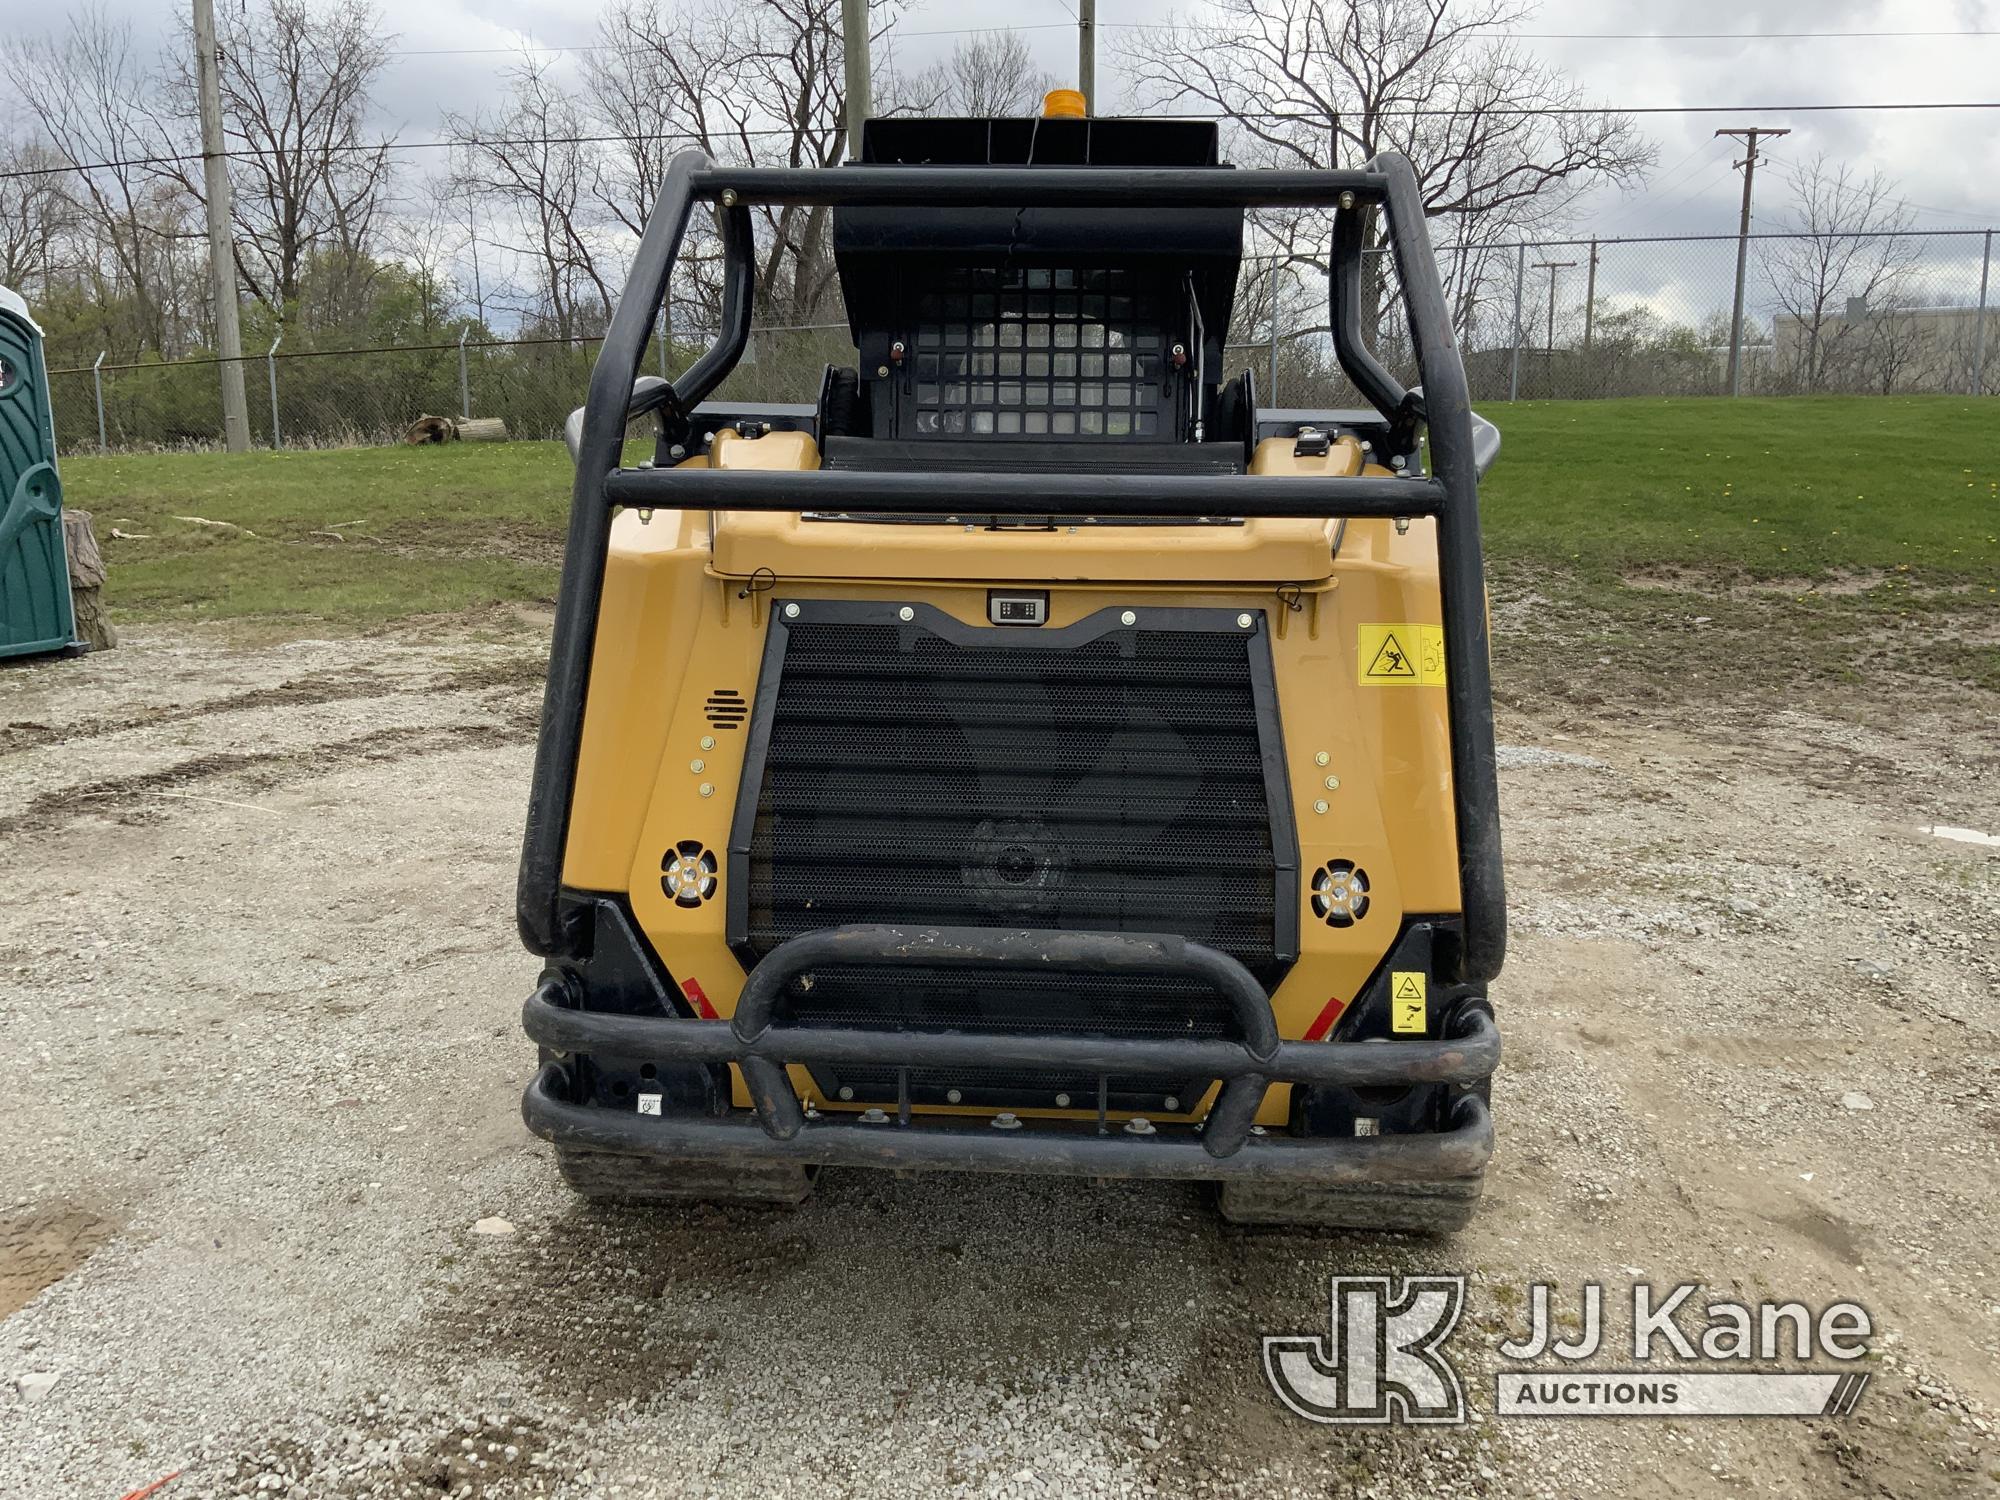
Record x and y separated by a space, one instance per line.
1222 1146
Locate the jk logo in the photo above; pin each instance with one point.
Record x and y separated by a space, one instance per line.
1379 1361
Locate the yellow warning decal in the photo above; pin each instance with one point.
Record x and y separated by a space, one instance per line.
1408 1008
1402 655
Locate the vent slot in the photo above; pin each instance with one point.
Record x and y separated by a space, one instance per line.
726 709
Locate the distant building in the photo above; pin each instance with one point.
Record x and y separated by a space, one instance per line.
1887 348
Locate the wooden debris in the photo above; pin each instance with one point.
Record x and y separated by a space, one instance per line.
430 429
86 582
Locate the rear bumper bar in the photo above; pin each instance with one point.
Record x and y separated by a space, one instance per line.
1069 1150
782 1130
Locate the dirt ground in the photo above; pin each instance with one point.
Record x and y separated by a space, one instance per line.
259 996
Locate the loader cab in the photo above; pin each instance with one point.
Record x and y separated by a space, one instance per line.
1059 338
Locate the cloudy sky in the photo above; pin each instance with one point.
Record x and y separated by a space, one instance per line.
1946 163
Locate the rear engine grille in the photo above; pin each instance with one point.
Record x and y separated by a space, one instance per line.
1095 778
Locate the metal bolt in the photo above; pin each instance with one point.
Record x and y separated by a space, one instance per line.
1402 526
874 1115
1333 783
696 766
707 789
729 198
1320 806
1347 199
1005 1120
708 742
1245 621
882 370
1138 1125
906 613
791 611
1321 758
1128 618
1062 1101
952 1096
847 1091
1173 1104
1399 463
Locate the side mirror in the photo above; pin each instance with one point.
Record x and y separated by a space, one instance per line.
644 399
1485 444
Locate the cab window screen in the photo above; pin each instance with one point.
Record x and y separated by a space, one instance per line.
1037 353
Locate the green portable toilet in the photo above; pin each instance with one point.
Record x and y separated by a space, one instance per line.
34 571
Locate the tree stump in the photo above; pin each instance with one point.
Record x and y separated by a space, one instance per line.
86 582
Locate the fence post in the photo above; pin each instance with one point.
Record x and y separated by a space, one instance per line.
464 384
1520 284
97 380
271 374
1979 328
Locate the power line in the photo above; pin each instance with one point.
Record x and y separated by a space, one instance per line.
1674 177
1263 117
1725 36
1541 36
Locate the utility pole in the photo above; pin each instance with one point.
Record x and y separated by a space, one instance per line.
1553 266
1549 365
1590 299
1520 284
1749 135
854 44
221 257
1086 54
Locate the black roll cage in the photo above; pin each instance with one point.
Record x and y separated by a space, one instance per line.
1441 403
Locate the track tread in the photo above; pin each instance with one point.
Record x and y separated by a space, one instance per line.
615 1177
1415 1208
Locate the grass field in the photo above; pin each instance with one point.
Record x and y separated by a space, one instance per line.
1840 508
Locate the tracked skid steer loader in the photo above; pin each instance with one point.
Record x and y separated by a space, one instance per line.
1033 755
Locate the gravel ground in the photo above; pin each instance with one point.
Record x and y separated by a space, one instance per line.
262 1065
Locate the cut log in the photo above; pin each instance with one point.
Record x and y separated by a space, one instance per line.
429 429
86 582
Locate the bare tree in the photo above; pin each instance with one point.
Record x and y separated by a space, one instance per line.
297 82
1501 142
90 93
1849 259
36 217
751 85
993 73
530 166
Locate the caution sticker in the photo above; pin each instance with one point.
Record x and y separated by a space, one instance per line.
1409 1009
1402 655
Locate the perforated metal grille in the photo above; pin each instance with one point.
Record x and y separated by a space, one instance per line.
1113 785
1034 352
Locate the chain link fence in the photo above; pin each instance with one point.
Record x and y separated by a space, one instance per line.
1558 320
1837 313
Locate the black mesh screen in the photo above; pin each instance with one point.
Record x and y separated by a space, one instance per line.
1116 784
1035 352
